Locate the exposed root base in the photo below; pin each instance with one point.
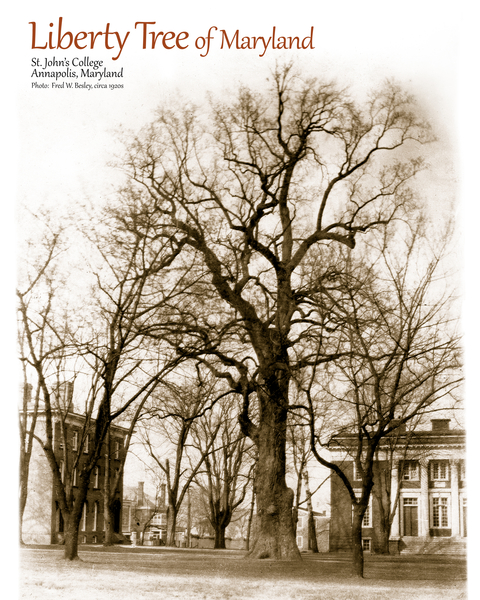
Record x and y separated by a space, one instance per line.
263 553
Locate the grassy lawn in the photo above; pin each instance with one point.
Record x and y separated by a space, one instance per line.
128 573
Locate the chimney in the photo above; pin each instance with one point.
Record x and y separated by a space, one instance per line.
140 494
440 425
63 395
163 487
401 428
26 393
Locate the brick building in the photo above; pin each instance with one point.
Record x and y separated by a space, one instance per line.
321 529
43 522
428 472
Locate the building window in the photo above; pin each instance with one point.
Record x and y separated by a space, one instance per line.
95 516
85 447
356 475
440 512
439 470
96 476
366 544
300 541
75 440
410 470
117 451
410 516
84 517
84 539
367 517
95 539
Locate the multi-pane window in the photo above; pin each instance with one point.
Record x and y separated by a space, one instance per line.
367 517
95 516
117 450
366 544
440 512
84 517
96 475
356 474
439 470
159 519
75 440
410 470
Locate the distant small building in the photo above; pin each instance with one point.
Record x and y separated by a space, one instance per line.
429 473
321 529
145 517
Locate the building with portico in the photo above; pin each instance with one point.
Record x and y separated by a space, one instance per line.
427 479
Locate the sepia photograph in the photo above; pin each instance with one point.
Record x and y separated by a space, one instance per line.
237 328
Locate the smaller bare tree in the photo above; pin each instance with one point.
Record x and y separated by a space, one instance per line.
403 358
228 466
166 432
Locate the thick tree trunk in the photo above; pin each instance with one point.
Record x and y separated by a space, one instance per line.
382 536
298 493
357 541
22 504
171 524
107 506
72 524
108 520
275 532
312 532
219 537
382 524
250 520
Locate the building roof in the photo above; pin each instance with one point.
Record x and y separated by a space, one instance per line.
437 437
74 418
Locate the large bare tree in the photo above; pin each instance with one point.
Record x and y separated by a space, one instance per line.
251 188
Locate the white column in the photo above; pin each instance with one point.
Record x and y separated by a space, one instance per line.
395 530
454 498
423 516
